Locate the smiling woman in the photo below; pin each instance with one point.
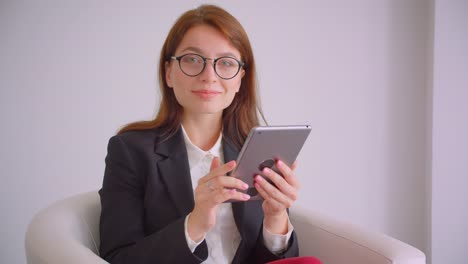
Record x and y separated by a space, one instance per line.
204 91
165 186
241 114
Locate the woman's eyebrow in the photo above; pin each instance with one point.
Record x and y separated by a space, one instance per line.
194 49
224 54
198 50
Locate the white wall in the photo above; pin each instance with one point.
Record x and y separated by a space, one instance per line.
72 72
450 134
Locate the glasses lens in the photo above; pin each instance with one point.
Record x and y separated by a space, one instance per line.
227 67
192 64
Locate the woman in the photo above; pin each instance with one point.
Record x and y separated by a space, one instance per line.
165 184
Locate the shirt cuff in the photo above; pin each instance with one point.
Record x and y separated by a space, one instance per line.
277 243
191 244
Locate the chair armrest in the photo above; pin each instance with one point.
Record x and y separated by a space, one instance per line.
65 232
335 242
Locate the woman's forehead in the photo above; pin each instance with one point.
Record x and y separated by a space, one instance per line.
207 41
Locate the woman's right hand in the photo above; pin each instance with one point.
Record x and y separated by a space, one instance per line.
211 191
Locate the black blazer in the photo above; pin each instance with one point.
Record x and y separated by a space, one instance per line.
146 195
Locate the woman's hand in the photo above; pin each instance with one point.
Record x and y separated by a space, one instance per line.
212 190
279 198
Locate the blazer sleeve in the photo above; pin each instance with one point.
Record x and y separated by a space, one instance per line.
122 227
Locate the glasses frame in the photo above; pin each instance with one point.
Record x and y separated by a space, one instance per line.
239 63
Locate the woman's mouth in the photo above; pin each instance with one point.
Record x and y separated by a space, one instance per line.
206 94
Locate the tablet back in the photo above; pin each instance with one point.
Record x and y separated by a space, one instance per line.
263 146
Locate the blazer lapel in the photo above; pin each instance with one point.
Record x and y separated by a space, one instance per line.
247 215
231 153
175 172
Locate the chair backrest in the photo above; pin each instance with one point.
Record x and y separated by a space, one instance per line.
66 232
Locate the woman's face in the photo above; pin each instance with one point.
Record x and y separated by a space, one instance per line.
206 93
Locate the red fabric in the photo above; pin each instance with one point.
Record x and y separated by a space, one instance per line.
297 260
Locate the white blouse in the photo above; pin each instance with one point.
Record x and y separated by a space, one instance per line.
223 240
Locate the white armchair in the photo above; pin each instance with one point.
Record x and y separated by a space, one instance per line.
68 232
335 242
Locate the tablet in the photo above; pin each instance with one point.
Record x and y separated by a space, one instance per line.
263 146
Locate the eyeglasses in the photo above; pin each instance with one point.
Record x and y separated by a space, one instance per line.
193 64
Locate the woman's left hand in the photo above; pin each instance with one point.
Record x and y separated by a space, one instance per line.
277 199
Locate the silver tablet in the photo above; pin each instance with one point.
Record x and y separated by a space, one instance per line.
263 146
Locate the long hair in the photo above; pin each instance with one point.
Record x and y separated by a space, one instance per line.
241 115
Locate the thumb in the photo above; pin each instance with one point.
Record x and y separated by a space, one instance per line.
215 163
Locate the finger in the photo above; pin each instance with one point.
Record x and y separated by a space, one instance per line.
287 173
221 182
224 169
232 194
277 204
271 203
219 171
215 163
280 183
224 195
269 192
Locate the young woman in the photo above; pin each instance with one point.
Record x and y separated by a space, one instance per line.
165 184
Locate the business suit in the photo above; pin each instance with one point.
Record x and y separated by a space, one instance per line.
146 195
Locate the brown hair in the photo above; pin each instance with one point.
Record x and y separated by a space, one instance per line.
241 115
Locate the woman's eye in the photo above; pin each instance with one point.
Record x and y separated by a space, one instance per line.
192 59
226 63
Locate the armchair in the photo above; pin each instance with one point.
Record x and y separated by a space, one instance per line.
68 232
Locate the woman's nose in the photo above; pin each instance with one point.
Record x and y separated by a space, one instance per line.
209 73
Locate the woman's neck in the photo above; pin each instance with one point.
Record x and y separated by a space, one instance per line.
203 130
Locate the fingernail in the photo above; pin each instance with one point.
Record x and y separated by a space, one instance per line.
258 178
245 186
280 163
266 170
246 196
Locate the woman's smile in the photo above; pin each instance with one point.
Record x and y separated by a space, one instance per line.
206 93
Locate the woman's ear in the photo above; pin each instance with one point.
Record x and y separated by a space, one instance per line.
167 65
242 73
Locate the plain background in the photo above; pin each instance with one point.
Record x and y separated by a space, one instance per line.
382 82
